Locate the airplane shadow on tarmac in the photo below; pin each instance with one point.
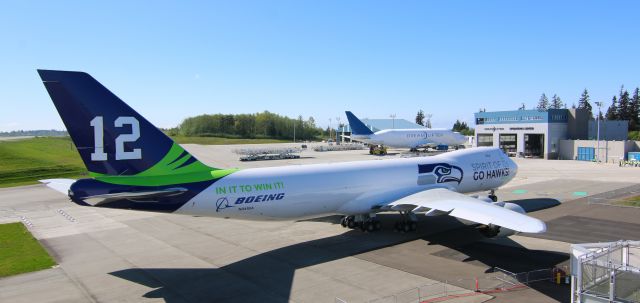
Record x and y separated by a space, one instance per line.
268 276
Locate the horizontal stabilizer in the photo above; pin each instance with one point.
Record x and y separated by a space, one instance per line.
60 185
137 196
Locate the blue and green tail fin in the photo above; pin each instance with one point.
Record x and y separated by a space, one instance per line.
114 141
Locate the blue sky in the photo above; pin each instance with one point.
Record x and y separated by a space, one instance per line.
171 60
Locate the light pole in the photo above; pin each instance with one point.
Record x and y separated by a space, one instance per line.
329 129
393 121
294 131
337 128
599 104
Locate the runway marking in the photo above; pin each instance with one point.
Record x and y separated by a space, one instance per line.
66 215
26 221
580 193
520 191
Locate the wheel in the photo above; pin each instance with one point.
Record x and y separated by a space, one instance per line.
362 225
413 226
351 224
370 226
343 222
493 198
377 225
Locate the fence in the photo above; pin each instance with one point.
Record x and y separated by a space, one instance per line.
340 147
255 154
500 281
610 273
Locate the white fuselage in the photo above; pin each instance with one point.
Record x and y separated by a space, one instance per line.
412 138
346 188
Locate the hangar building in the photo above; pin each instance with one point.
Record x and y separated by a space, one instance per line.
537 133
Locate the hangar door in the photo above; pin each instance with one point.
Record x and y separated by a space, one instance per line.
485 140
534 145
509 144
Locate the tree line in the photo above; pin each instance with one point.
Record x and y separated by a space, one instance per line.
556 102
258 125
623 107
463 128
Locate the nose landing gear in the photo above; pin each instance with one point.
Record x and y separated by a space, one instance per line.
492 195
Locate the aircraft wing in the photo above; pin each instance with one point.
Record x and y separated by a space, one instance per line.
468 208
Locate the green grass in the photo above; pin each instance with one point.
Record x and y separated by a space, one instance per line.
223 141
631 201
20 252
29 160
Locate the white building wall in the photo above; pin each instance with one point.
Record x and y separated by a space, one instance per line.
610 151
520 129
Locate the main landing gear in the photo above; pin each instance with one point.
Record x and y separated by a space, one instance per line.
369 223
363 222
407 223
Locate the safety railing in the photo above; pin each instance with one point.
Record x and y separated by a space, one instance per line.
500 281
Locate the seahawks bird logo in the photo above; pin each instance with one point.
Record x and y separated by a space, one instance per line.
438 173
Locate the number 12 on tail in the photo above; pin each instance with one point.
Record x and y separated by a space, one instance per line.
98 138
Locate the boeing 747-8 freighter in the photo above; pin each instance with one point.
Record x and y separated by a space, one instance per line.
133 165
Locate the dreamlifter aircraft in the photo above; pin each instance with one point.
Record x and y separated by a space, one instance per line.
403 138
134 165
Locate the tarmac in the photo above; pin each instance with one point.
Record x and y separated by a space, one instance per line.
108 255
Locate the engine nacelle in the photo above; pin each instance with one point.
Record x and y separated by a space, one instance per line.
512 207
483 198
493 231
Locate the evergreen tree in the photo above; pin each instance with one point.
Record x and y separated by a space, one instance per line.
543 103
635 109
456 126
420 118
612 111
556 102
583 103
460 126
623 105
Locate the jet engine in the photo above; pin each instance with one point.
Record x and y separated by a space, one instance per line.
493 231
